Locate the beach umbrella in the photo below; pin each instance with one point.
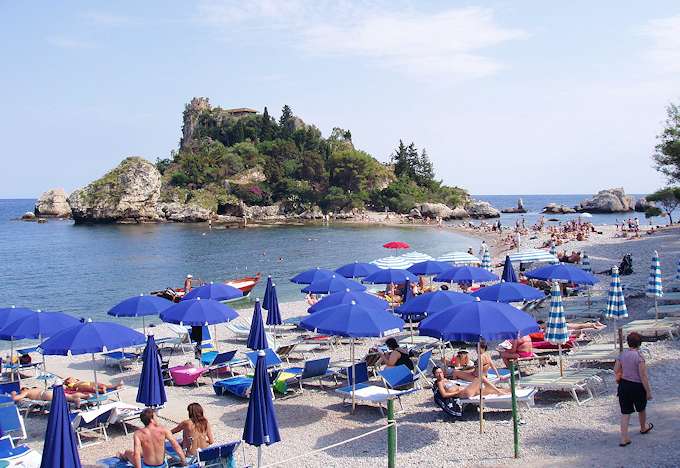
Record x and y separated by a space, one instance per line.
533 255
257 338
60 449
334 283
416 257
616 302
556 330
151 390
274 313
562 272
585 215
396 245
553 252
508 292
585 263
677 272
346 297
408 292
89 338
266 299
654 285
479 320
390 276
310 276
357 269
261 427
198 312
508 271
10 314
465 274
214 291
486 260
392 262
140 306
353 321
430 303
459 258
428 267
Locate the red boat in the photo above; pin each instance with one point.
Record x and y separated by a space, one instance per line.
245 284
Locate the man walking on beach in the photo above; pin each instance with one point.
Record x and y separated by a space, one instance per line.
149 443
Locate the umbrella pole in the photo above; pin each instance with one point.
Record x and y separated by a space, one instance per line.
96 384
656 307
410 321
274 336
215 338
354 377
559 350
481 386
259 456
11 361
144 325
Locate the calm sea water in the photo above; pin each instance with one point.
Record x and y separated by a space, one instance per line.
85 270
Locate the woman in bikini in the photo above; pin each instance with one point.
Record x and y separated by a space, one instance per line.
71 384
472 374
450 389
35 393
196 432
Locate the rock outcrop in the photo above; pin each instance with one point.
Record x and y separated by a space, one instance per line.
438 210
183 212
262 212
642 205
554 208
481 210
608 201
128 193
518 209
28 216
53 203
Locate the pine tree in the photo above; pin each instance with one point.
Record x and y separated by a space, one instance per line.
266 126
400 160
286 122
424 169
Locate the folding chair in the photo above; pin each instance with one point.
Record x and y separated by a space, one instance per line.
315 369
224 360
12 422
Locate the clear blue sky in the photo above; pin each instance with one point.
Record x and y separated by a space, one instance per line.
507 96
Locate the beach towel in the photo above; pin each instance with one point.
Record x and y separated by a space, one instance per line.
450 406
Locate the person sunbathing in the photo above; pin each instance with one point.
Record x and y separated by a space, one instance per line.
519 348
71 384
471 374
35 393
450 389
196 431
395 356
540 336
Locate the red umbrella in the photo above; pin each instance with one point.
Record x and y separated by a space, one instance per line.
396 245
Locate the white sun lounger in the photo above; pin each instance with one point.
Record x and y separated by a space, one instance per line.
372 394
670 297
666 310
572 381
664 327
525 397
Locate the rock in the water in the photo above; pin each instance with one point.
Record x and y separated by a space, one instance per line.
518 209
642 205
608 201
28 216
554 208
481 210
128 193
53 203
184 212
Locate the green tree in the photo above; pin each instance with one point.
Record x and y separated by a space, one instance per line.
267 126
400 160
667 150
424 171
286 122
668 198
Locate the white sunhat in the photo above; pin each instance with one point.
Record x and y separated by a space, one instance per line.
189 276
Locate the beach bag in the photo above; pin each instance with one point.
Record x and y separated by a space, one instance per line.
450 406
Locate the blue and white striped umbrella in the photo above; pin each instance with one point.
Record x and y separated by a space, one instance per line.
486 260
533 255
677 272
585 263
553 251
459 258
556 332
398 263
616 303
416 257
654 286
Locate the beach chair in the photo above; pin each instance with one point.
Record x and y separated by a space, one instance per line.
180 338
270 358
6 388
398 377
92 424
120 358
525 399
670 297
224 361
218 456
666 310
239 385
315 369
656 328
421 367
17 456
12 423
572 381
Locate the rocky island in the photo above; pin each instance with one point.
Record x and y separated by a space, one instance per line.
234 165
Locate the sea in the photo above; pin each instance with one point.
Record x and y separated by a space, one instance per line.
85 270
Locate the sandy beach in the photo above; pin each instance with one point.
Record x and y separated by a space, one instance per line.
556 432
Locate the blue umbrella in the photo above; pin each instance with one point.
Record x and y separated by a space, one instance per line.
151 390
408 292
465 274
257 338
432 302
37 325
346 297
562 272
486 260
10 314
214 291
310 276
429 268
508 292
357 269
508 271
60 449
198 312
274 313
334 283
266 299
140 306
261 426
390 276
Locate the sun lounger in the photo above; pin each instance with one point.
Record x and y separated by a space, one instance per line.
180 338
572 381
239 385
120 358
6 388
662 327
666 310
12 423
525 398
94 422
270 358
225 362
604 353
315 369
242 329
669 297
215 456
17 456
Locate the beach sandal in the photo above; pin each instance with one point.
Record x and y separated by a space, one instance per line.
625 444
650 426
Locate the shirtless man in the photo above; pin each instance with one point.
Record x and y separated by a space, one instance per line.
187 284
35 393
149 451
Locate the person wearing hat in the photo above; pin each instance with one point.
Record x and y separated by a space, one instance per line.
187 284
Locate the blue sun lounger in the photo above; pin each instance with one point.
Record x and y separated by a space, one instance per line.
315 369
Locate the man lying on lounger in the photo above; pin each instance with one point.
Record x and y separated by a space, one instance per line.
71 384
450 389
35 393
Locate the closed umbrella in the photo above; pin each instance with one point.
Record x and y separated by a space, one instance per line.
151 389
465 274
140 306
459 258
347 296
266 299
654 285
585 263
310 276
273 312
60 449
357 269
257 338
261 427
616 302
508 275
486 260
556 331
508 292
214 291
553 252
334 283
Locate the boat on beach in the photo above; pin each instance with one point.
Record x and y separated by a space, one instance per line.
245 284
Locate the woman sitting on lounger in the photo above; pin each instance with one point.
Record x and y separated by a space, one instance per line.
520 348
196 432
472 374
71 384
450 389
395 356
35 393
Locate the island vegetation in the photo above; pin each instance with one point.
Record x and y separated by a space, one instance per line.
667 161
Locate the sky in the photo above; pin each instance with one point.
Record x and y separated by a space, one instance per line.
508 97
